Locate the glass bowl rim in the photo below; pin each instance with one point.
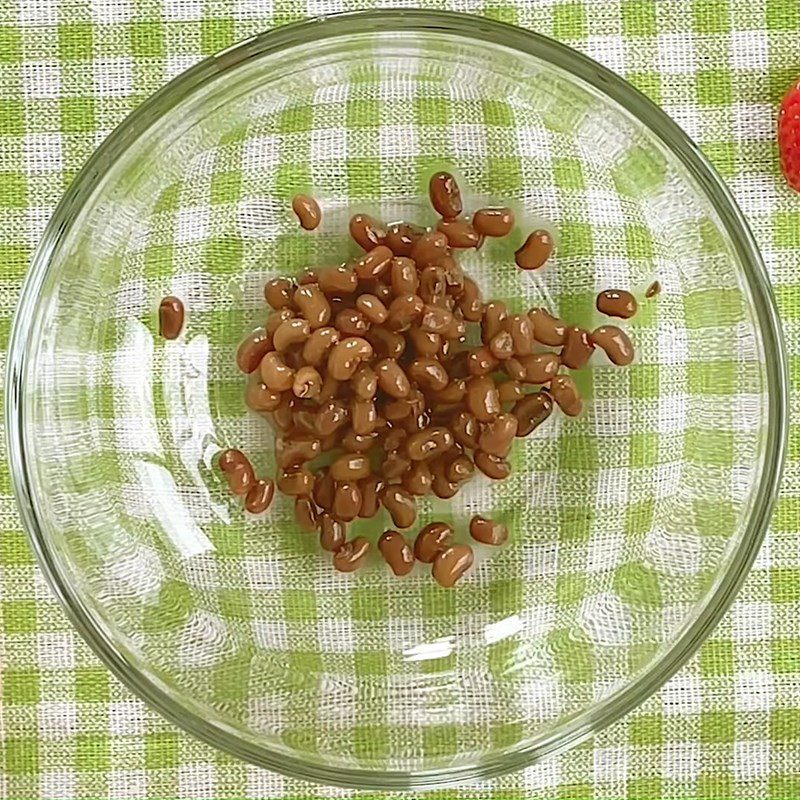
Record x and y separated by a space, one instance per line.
526 43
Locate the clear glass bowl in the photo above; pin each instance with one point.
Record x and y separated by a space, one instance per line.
632 526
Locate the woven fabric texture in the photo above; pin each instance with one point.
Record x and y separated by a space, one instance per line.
728 725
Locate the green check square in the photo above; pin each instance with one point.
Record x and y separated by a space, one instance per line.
646 729
78 114
786 656
714 87
785 585
19 616
92 752
75 42
639 18
13 190
300 605
784 725
717 726
216 34
147 40
711 16
569 21
162 750
92 685
21 756
782 16
716 658
432 111
362 113
12 117
21 687
10 44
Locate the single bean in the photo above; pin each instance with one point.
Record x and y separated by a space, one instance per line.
331 417
466 430
366 231
364 383
429 248
307 383
348 468
418 478
170 317
317 344
313 305
432 540
275 374
547 329
392 379
488 531
441 486
252 350
452 393
363 416
305 514
353 442
482 398
386 343
433 285
535 250
229 458
372 308
324 489
296 450
428 373
296 481
470 302
501 346
460 469
307 210
435 319
404 276
460 234
279 292
577 349
498 435
332 532
453 275
396 552
429 443
351 322
653 289
539 367
370 487
521 329
425 343
401 238
400 505
338 280
494 467
351 555
565 393
396 410
514 368
374 263
346 501
259 397
510 391
481 361
531 411
451 564
291 332
259 496
307 276
404 311
445 195
493 221
346 355
495 314
616 303
618 347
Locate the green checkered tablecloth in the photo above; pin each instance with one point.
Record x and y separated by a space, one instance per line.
728 725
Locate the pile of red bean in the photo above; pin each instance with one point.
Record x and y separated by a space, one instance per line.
377 399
